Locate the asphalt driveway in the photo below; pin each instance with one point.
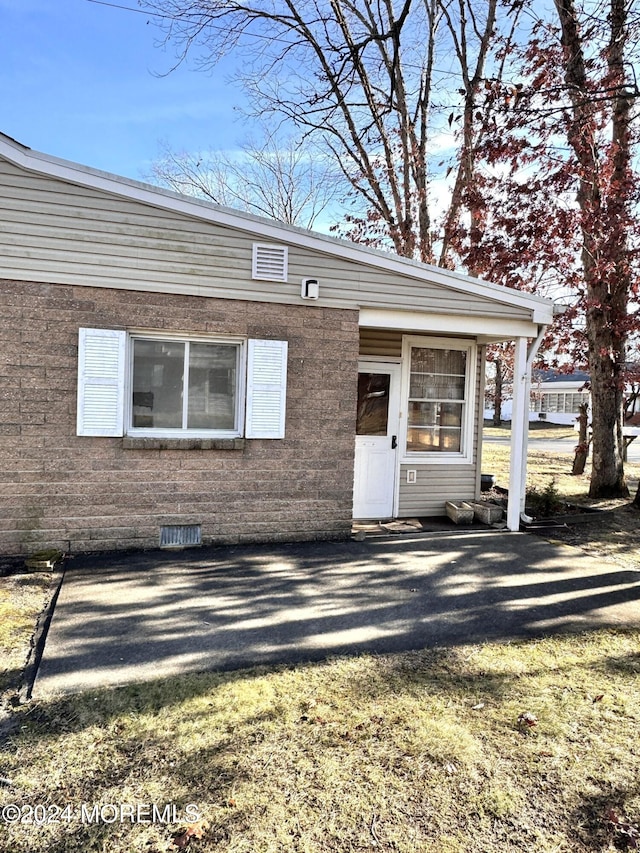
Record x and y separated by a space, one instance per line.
132 617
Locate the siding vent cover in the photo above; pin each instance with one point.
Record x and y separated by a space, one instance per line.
180 535
270 262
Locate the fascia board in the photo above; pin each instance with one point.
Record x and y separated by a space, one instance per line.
66 170
485 329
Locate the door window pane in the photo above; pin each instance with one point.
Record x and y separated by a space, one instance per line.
373 403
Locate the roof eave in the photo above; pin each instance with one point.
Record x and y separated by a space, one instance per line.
542 309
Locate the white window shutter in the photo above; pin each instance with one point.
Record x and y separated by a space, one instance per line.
101 360
266 388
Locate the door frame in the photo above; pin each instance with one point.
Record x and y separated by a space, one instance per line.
393 366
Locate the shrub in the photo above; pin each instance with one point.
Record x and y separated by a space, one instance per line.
542 504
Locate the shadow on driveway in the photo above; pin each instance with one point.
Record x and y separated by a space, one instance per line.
135 617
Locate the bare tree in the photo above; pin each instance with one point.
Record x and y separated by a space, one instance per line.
279 179
379 84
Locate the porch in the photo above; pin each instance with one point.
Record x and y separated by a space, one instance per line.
420 417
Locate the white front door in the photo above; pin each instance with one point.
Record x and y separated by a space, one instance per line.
376 440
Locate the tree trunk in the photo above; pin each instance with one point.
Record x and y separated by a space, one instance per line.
602 229
607 470
497 401
582 449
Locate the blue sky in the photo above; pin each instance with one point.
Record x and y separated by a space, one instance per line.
81 81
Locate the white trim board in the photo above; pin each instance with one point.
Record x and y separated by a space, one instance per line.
449 324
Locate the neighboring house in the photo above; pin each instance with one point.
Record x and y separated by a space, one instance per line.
177 372
555 397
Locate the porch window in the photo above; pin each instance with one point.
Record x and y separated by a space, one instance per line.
437 399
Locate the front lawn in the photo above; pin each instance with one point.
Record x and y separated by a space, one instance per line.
478 749
612 536
537 430
493 748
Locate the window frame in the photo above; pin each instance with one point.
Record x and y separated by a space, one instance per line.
104 389
240 389
438 457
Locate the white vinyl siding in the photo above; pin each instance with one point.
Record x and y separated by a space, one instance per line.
104 385
101 372
266 389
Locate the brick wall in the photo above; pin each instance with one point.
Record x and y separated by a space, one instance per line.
93 494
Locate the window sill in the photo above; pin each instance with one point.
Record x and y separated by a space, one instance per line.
129 443
436 459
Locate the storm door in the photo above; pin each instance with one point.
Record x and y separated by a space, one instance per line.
376 440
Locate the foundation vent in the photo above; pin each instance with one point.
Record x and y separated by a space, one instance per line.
180 535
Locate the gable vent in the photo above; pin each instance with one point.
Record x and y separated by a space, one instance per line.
180 535
270 262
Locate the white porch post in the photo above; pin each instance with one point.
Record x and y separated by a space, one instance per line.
519 430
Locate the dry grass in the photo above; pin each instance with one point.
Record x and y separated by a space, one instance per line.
22 598
537 429
544 467
614 537
411 752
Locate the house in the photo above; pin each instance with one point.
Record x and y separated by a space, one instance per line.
177 372
555 397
